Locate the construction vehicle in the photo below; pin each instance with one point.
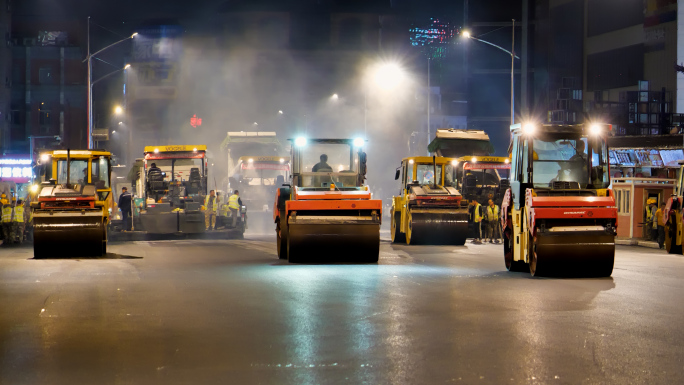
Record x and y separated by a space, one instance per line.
327 212
429 209
673 216
455 143
559 216
257 177
483 177
71 210
256 180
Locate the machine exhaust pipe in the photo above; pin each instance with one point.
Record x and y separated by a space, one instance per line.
434 172
68 185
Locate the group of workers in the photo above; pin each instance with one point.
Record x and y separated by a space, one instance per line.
654 225
13 220
212 204
487 216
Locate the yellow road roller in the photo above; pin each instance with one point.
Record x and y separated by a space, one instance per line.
430 209
559 216
673 216
71 210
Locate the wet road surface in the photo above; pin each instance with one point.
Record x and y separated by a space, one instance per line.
198 312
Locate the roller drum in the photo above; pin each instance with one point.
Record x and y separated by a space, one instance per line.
68 235
320 243
573 254
438 227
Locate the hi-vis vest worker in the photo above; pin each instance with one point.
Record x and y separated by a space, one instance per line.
492 215
6 214
19 214
477 217
214 206
233 202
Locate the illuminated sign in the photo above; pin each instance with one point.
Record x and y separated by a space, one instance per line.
16 170
15 161
195 121
485 166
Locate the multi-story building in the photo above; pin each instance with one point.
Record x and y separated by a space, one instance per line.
5 69
48 104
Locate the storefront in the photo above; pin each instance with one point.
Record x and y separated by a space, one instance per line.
645 162
17 171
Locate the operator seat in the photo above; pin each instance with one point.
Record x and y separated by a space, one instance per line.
155 183
194 182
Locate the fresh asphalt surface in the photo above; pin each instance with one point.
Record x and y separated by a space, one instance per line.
229 312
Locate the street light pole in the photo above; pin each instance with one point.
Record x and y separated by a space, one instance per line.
89 59
90 93
467 35
512 76
429 91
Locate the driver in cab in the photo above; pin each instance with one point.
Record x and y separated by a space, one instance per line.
323 165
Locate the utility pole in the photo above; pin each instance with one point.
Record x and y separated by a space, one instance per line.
90 93
513 75
429 92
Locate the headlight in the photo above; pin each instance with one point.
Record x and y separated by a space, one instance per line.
358 142
595 129
300 142
34 188
529 128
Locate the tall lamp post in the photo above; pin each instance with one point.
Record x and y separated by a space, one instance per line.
467 35
90 78
386 75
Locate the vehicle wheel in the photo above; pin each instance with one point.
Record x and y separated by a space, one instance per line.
281 232
513 266
397 235
409 231
534 261
671 235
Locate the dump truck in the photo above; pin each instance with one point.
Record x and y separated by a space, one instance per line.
71 210
326 213
673 216
559 216
430 209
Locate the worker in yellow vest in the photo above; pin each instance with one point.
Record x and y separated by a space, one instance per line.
210 209
18 225
493 232
234 204
7 223
476 216
648 218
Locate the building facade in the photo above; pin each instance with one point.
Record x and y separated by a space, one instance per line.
5 69
48 103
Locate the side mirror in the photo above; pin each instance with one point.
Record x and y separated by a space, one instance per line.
397 174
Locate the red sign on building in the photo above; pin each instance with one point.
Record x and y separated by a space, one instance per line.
195 121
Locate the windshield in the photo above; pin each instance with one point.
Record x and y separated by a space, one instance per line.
325 163
567 159
181 167
425 174
266 174
100 173
78 171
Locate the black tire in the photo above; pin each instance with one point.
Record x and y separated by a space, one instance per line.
671 234
281 238
397 235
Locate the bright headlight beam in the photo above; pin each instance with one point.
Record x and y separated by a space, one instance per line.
300 142
595 129
358 142
454 163
529 128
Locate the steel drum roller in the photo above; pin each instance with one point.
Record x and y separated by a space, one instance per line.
324 242
68 235
438 227
574 254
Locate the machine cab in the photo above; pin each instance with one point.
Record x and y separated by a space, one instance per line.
426 171
324 164
175 174
480 177
559 160
86 167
